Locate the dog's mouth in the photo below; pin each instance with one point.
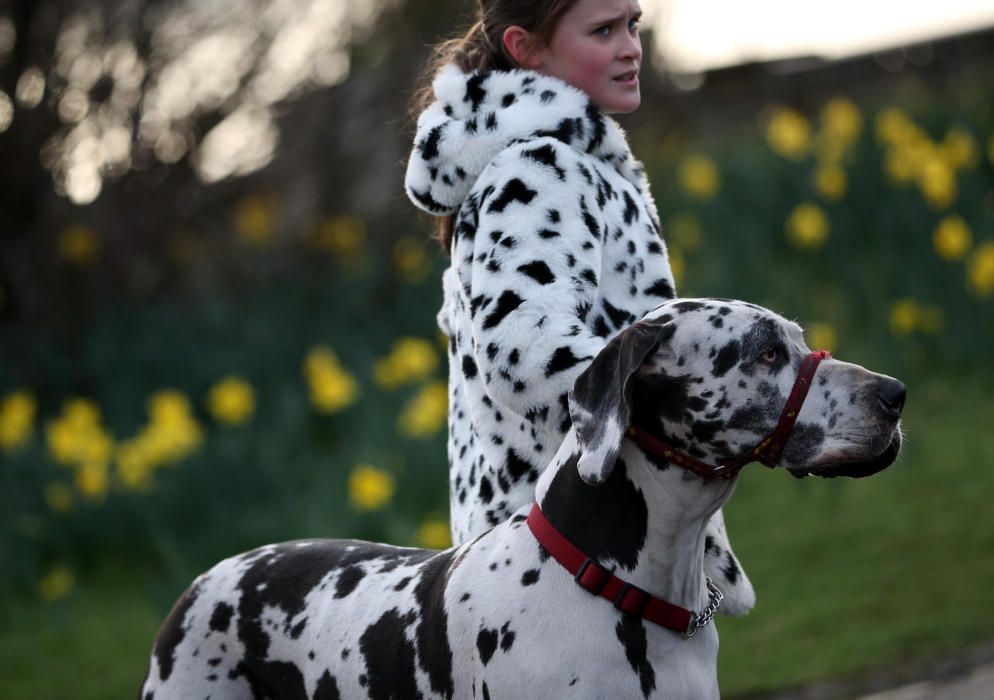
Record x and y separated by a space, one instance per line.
856 469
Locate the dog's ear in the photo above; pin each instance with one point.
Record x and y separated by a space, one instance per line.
600 404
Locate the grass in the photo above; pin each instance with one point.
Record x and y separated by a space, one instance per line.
851 575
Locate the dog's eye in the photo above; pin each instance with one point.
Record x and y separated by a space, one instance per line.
770 356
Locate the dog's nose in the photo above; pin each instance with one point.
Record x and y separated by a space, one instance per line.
891 394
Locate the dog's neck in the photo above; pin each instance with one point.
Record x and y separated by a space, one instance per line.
646 521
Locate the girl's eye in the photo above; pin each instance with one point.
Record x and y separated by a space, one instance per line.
633 26
603 31
770 356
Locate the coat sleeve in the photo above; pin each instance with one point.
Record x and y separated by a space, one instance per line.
533 278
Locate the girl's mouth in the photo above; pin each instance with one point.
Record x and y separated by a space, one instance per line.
628 78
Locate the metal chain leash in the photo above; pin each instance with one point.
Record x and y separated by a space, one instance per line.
714 602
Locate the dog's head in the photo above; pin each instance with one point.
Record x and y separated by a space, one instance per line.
712 376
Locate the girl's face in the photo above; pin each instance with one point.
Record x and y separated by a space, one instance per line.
596 48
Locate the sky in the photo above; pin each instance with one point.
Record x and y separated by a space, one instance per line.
697 35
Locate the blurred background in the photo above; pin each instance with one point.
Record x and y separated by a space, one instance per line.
217 307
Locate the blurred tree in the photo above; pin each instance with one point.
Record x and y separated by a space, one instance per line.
141 118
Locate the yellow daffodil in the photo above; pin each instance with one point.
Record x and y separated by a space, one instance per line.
788 133
255 218
411 259
56 584
831 181
807 226
952 238
17 416
231 401
434 534
134 465
79 245
908 316
332 388
77 436
173 433
821 336
92 480
699 177
410 360
903 317
980 270
893 126
937 182
426 413
960 149
841 117
370 488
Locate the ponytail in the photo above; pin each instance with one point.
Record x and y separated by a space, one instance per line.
482 49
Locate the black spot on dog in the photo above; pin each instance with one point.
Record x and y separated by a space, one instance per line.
402 584
486 644
327 688
530 577
173 632
727 358
804 443
608 521
506 637
389 657
434 654
282 577
684 307
348 580
631 634
221 617
730 569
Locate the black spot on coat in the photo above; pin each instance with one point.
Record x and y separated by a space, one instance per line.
538 271
507 303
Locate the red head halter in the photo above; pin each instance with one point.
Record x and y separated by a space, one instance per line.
768 451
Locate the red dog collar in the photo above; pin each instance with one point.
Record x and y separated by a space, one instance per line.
627 598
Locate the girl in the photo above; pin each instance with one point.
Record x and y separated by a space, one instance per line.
553 236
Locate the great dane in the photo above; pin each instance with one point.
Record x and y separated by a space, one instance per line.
597 589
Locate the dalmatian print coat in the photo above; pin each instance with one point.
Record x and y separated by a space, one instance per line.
556 249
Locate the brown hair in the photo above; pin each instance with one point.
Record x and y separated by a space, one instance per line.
482 48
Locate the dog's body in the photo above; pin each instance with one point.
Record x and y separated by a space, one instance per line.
498 617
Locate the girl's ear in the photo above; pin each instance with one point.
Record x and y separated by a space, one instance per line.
521 46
